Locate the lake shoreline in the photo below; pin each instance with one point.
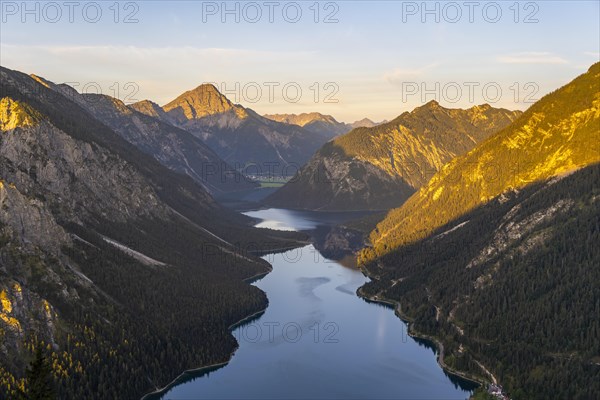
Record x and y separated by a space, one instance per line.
438 344
211 367
262 253
195 373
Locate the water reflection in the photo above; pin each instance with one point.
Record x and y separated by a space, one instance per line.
317 339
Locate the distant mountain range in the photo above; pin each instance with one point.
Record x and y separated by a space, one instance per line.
252 144
380 167
496 257
320 123
366 123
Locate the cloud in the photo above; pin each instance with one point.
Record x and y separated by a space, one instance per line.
160 72
532 58
594 54
134 55
399 75
141 60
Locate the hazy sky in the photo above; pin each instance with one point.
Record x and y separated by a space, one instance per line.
372 59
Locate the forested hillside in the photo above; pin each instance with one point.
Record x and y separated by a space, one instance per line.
497 255
125 272
511 287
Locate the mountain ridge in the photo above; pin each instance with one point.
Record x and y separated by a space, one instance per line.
152 132
324 123
541 143
313 121
252 144
96 236
380 167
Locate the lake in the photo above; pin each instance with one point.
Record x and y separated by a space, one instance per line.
317 339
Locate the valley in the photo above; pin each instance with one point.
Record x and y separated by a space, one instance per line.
177 237
314 318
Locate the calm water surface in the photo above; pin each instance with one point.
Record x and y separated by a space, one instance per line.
318 340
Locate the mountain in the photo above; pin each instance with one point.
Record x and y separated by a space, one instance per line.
251 143
106 254
150 109
380 167
365 123
175 148
314 122
496 260
320 123
203 101
555 135
510 287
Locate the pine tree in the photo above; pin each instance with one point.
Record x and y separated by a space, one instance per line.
40 383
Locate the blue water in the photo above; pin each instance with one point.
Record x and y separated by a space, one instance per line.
318 340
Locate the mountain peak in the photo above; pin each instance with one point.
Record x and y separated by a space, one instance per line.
364 123
145 103
207 87
481 107
430 105
427 107
149 108
199 102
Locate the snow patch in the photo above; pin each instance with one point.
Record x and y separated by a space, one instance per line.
452 229
144 259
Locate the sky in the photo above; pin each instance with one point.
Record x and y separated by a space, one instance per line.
349 59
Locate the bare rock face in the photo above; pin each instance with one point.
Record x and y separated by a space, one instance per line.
14 114
23 313
29 220
31 244
197 103
46 175
42 159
